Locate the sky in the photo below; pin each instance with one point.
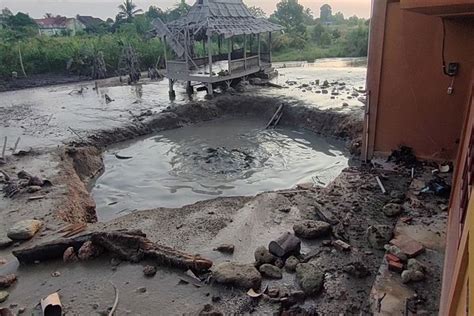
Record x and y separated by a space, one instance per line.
108 8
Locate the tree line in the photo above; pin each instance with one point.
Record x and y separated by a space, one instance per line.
306 37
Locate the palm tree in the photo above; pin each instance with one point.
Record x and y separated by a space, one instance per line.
128 10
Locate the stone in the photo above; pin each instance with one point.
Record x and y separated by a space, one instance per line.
406 276
273 292
291 263
149 271
7 280
141 289
262 255
5 311
115 262
89 251
270 271
310 278
298 295
397 195
415 265
225 248
209 310
408 245
418 276
236 274
5 242
345 104
25 229
3 296
33 189
378 236
394 250
412 276
392 209
279 263
341 245
312 229
69 255
357 269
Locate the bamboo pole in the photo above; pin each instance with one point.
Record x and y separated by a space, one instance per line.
4 147
21 62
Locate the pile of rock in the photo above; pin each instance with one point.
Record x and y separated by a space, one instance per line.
26 183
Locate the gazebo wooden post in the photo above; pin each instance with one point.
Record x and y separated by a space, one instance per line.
171 92
229 56
258 49
189 87
209 50
270 47
245 51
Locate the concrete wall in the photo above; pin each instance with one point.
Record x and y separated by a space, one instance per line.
408 90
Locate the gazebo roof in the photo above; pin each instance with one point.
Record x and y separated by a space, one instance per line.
225 17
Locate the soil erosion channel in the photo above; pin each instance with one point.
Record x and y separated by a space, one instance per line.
225 157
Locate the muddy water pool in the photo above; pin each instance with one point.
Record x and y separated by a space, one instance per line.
226 157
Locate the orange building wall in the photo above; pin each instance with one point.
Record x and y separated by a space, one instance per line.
410 105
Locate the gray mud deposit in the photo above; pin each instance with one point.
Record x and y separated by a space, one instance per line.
225 157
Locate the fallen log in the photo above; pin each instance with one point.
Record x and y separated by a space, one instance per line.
131 246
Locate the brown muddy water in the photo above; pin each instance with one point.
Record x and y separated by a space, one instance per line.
225 157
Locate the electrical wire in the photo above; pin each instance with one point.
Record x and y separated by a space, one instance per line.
443 48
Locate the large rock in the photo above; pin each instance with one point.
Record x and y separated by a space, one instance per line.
24 230
89 251
3 296
312 229
5 242
7 280
392 209
270 271
378 236
262 256
291 263
310 278
240 275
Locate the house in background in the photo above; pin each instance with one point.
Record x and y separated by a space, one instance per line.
90 22
59 25
420 85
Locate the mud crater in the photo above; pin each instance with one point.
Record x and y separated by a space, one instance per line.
229 156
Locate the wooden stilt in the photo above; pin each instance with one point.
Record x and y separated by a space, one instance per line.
172 93
209 52
245 52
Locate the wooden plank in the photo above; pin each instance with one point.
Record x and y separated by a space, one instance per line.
374 73
439 7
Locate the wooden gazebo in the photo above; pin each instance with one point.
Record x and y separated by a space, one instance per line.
197 39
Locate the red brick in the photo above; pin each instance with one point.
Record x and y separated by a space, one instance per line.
391 257
408 245
395 266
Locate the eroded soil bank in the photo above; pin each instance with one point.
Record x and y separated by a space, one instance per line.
350 205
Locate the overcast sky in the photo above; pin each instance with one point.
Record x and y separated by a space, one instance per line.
108 8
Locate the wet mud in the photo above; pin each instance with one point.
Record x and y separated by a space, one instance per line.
69 139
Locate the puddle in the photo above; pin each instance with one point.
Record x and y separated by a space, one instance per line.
226 157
